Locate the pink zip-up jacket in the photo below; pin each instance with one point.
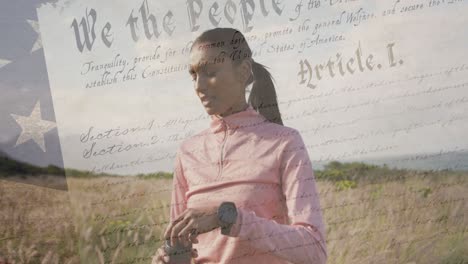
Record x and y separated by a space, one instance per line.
264 168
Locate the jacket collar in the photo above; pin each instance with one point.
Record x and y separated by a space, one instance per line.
247 117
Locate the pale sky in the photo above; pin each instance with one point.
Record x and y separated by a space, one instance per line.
427 41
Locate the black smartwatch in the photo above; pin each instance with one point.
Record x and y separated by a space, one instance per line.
227 215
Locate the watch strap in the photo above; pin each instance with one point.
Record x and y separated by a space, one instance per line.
225 230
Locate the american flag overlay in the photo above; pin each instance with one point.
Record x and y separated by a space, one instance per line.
29 139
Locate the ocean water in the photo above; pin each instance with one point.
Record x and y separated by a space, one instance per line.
456 161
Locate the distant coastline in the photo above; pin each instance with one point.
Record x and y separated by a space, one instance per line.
456 161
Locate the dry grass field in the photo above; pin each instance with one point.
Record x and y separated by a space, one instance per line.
420 218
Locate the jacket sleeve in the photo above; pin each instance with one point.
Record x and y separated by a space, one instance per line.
303 240
179 189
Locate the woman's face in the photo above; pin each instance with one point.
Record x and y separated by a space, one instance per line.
218 83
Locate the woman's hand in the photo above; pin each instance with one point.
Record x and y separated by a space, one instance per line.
190 223
162 258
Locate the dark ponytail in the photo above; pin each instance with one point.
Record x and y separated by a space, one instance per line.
263 94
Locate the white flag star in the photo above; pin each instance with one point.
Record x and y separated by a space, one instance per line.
38 43
33 127
4 63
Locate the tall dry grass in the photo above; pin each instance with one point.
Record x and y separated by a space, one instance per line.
120 219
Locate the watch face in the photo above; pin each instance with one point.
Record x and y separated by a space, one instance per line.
228 213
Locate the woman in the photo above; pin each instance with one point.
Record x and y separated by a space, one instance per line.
243 189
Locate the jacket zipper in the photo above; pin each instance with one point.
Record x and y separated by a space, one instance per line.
222 147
